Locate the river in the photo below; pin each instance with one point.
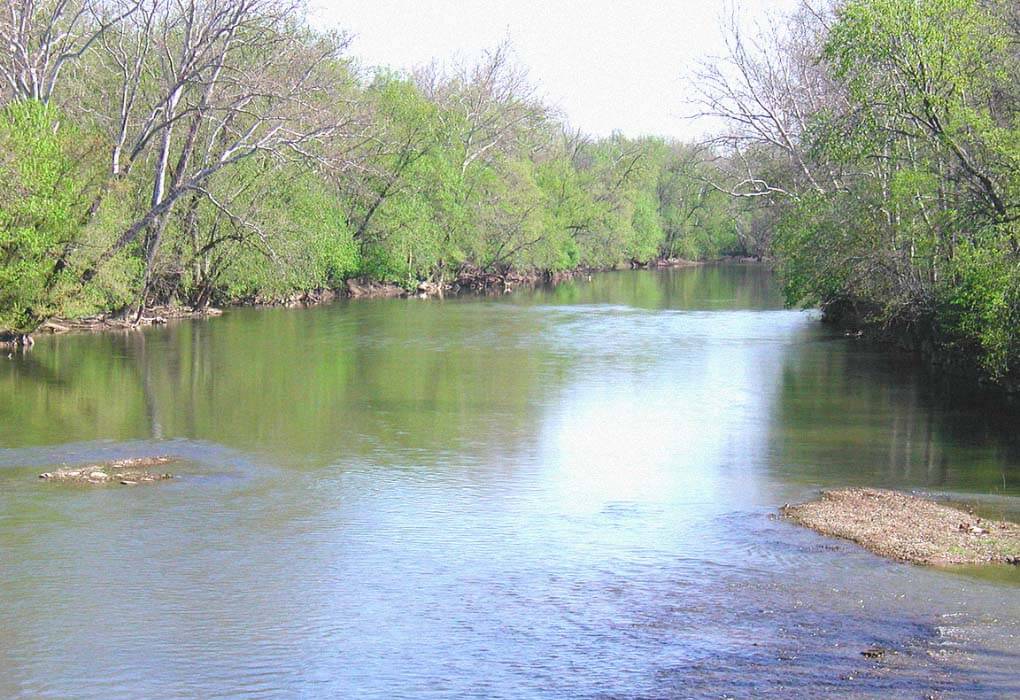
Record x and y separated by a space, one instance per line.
564 492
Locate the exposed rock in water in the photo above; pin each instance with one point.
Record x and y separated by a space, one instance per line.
127 472
502 282
15 340
363 288
674 262
431 289
909 528
312 297
874 652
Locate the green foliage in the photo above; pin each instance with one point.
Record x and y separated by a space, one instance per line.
273 231
809 277
115 287
938 48
429 208
647 236
45 186
431 177
918 230
415 229
980 310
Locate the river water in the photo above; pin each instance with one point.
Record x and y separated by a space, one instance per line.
563 492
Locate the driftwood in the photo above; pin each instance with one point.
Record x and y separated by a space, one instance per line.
152 317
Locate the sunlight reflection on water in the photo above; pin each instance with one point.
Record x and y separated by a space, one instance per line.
562 493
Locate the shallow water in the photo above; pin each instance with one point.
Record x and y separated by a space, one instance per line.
559 493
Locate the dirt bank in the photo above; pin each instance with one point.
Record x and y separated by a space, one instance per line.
909 528
126 472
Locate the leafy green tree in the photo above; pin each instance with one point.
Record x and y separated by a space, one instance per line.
220 151
46 184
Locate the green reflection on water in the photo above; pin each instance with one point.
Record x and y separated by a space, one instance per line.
586 468
473 375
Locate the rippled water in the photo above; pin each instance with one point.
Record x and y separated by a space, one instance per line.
561 493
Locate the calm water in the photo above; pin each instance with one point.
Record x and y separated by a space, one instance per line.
561 493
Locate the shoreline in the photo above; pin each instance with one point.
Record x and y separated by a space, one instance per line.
909 528
470 282
924 344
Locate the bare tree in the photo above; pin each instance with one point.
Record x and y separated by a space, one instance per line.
40 38
764 89
494 104
234 78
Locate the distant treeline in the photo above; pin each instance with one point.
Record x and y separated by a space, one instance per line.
882 138
210 151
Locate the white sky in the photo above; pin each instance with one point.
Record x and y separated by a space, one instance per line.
606 64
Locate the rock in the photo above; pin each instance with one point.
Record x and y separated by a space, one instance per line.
874 652
128 472
360 289
972 529
430 289
141 462
668 262
16 340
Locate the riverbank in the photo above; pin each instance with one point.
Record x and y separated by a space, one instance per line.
945 357
469 281
909 528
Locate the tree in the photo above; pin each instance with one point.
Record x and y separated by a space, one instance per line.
46 179
39 39
234 79
884 138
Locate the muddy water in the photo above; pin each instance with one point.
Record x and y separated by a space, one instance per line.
560 493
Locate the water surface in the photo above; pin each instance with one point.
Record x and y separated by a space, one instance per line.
559 493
